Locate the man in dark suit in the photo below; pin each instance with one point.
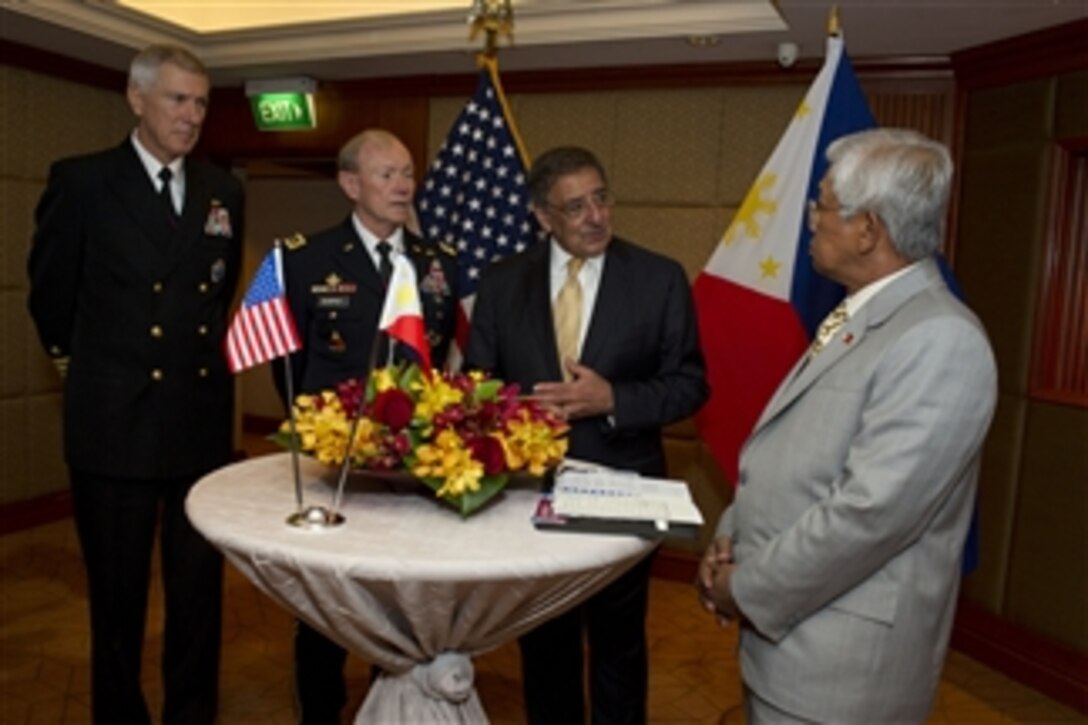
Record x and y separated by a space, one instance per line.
132 271
604 331
336 287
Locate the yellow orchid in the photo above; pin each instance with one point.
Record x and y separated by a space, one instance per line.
532 444
384 379
449 460
435 395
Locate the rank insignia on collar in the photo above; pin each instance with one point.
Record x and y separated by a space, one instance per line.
295 241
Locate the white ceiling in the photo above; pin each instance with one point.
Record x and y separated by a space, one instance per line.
548 33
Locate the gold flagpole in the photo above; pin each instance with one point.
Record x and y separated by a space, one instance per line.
496 18
834 25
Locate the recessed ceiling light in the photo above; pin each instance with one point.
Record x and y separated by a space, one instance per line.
703 41
211 16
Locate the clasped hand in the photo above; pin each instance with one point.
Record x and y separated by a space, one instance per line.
586 394
714 583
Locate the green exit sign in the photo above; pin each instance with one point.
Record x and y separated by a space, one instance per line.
283 111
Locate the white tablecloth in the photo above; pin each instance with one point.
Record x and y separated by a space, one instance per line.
405 581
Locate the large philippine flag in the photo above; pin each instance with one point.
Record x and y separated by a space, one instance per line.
758 298
402 313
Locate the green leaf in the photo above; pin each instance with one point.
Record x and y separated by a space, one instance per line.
431 482
487 390
489 487
467 503
409 375
284 439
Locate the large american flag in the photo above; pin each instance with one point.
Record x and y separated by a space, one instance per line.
474 197
263 327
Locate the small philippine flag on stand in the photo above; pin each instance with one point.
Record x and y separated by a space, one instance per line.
402 313
263 327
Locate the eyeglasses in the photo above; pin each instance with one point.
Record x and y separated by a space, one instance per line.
575 209
817 207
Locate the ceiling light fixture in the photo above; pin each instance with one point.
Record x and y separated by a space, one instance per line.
703 41
217 16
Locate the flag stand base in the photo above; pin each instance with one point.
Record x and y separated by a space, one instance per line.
315 518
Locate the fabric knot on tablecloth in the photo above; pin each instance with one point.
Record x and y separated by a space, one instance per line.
449 676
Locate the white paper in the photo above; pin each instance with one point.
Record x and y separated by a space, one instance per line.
607 494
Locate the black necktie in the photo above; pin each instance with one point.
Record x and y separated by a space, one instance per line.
385 265
385 269
165 174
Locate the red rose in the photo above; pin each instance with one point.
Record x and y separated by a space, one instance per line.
488 451
351 393
393 408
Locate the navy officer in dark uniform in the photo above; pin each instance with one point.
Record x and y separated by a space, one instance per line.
335 288
132 270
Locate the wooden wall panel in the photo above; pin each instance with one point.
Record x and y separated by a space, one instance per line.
1021 100
1071 107
1048 566
930 113
1000 210
580 119
996 502
1059 369
42 117
666 146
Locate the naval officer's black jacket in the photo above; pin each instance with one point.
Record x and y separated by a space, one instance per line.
140 307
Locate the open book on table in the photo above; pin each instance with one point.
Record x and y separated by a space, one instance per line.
591 499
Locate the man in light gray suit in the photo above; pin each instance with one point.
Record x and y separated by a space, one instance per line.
840 555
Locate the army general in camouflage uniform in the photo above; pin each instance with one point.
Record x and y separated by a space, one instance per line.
335 288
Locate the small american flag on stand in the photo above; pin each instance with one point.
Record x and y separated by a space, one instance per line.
474 197
263 327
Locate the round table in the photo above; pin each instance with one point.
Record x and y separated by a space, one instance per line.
405 581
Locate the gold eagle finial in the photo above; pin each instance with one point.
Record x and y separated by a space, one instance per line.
495 18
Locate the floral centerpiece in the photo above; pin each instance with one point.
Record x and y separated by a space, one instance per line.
460 434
